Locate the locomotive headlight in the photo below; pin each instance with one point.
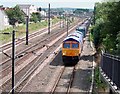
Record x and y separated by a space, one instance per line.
64 53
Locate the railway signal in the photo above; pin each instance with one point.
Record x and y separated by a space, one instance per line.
39 8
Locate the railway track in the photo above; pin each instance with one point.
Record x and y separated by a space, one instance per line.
21 85
19 40
32 37
58 85
20 52
29 65
31 49
39 44
68 89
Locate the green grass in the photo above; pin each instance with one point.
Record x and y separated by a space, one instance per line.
20 30
91 37
99 83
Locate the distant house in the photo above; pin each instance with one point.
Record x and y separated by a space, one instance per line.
28 9
54 12
4 20
43 14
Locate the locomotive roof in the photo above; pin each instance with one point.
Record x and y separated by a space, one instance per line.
81 27
79 32
74 36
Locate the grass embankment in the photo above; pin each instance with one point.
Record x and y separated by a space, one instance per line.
22 29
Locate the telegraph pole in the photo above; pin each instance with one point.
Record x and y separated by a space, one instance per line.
63 21
49 19
13 55
27 18
60 20
13 60
13 21
67 27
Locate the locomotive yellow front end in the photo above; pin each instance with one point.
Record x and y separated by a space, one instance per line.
70 52
71 49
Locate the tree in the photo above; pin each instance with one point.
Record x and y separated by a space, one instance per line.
105 31
35 17
15 14
117 27
38 16
118 44
112 25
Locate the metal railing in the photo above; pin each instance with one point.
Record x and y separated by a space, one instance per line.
110 65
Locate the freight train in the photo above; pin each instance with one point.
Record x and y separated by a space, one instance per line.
73 44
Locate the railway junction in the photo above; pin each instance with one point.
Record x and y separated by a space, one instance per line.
39 66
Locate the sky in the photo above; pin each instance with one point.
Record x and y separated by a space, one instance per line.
54 3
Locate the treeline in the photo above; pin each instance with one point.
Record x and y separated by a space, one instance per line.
78 11
16 15
106 28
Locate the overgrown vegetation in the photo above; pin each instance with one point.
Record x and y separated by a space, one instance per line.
97 79
91 34
106 31
99 85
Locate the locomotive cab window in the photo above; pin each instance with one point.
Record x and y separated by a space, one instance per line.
75 45
66 45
